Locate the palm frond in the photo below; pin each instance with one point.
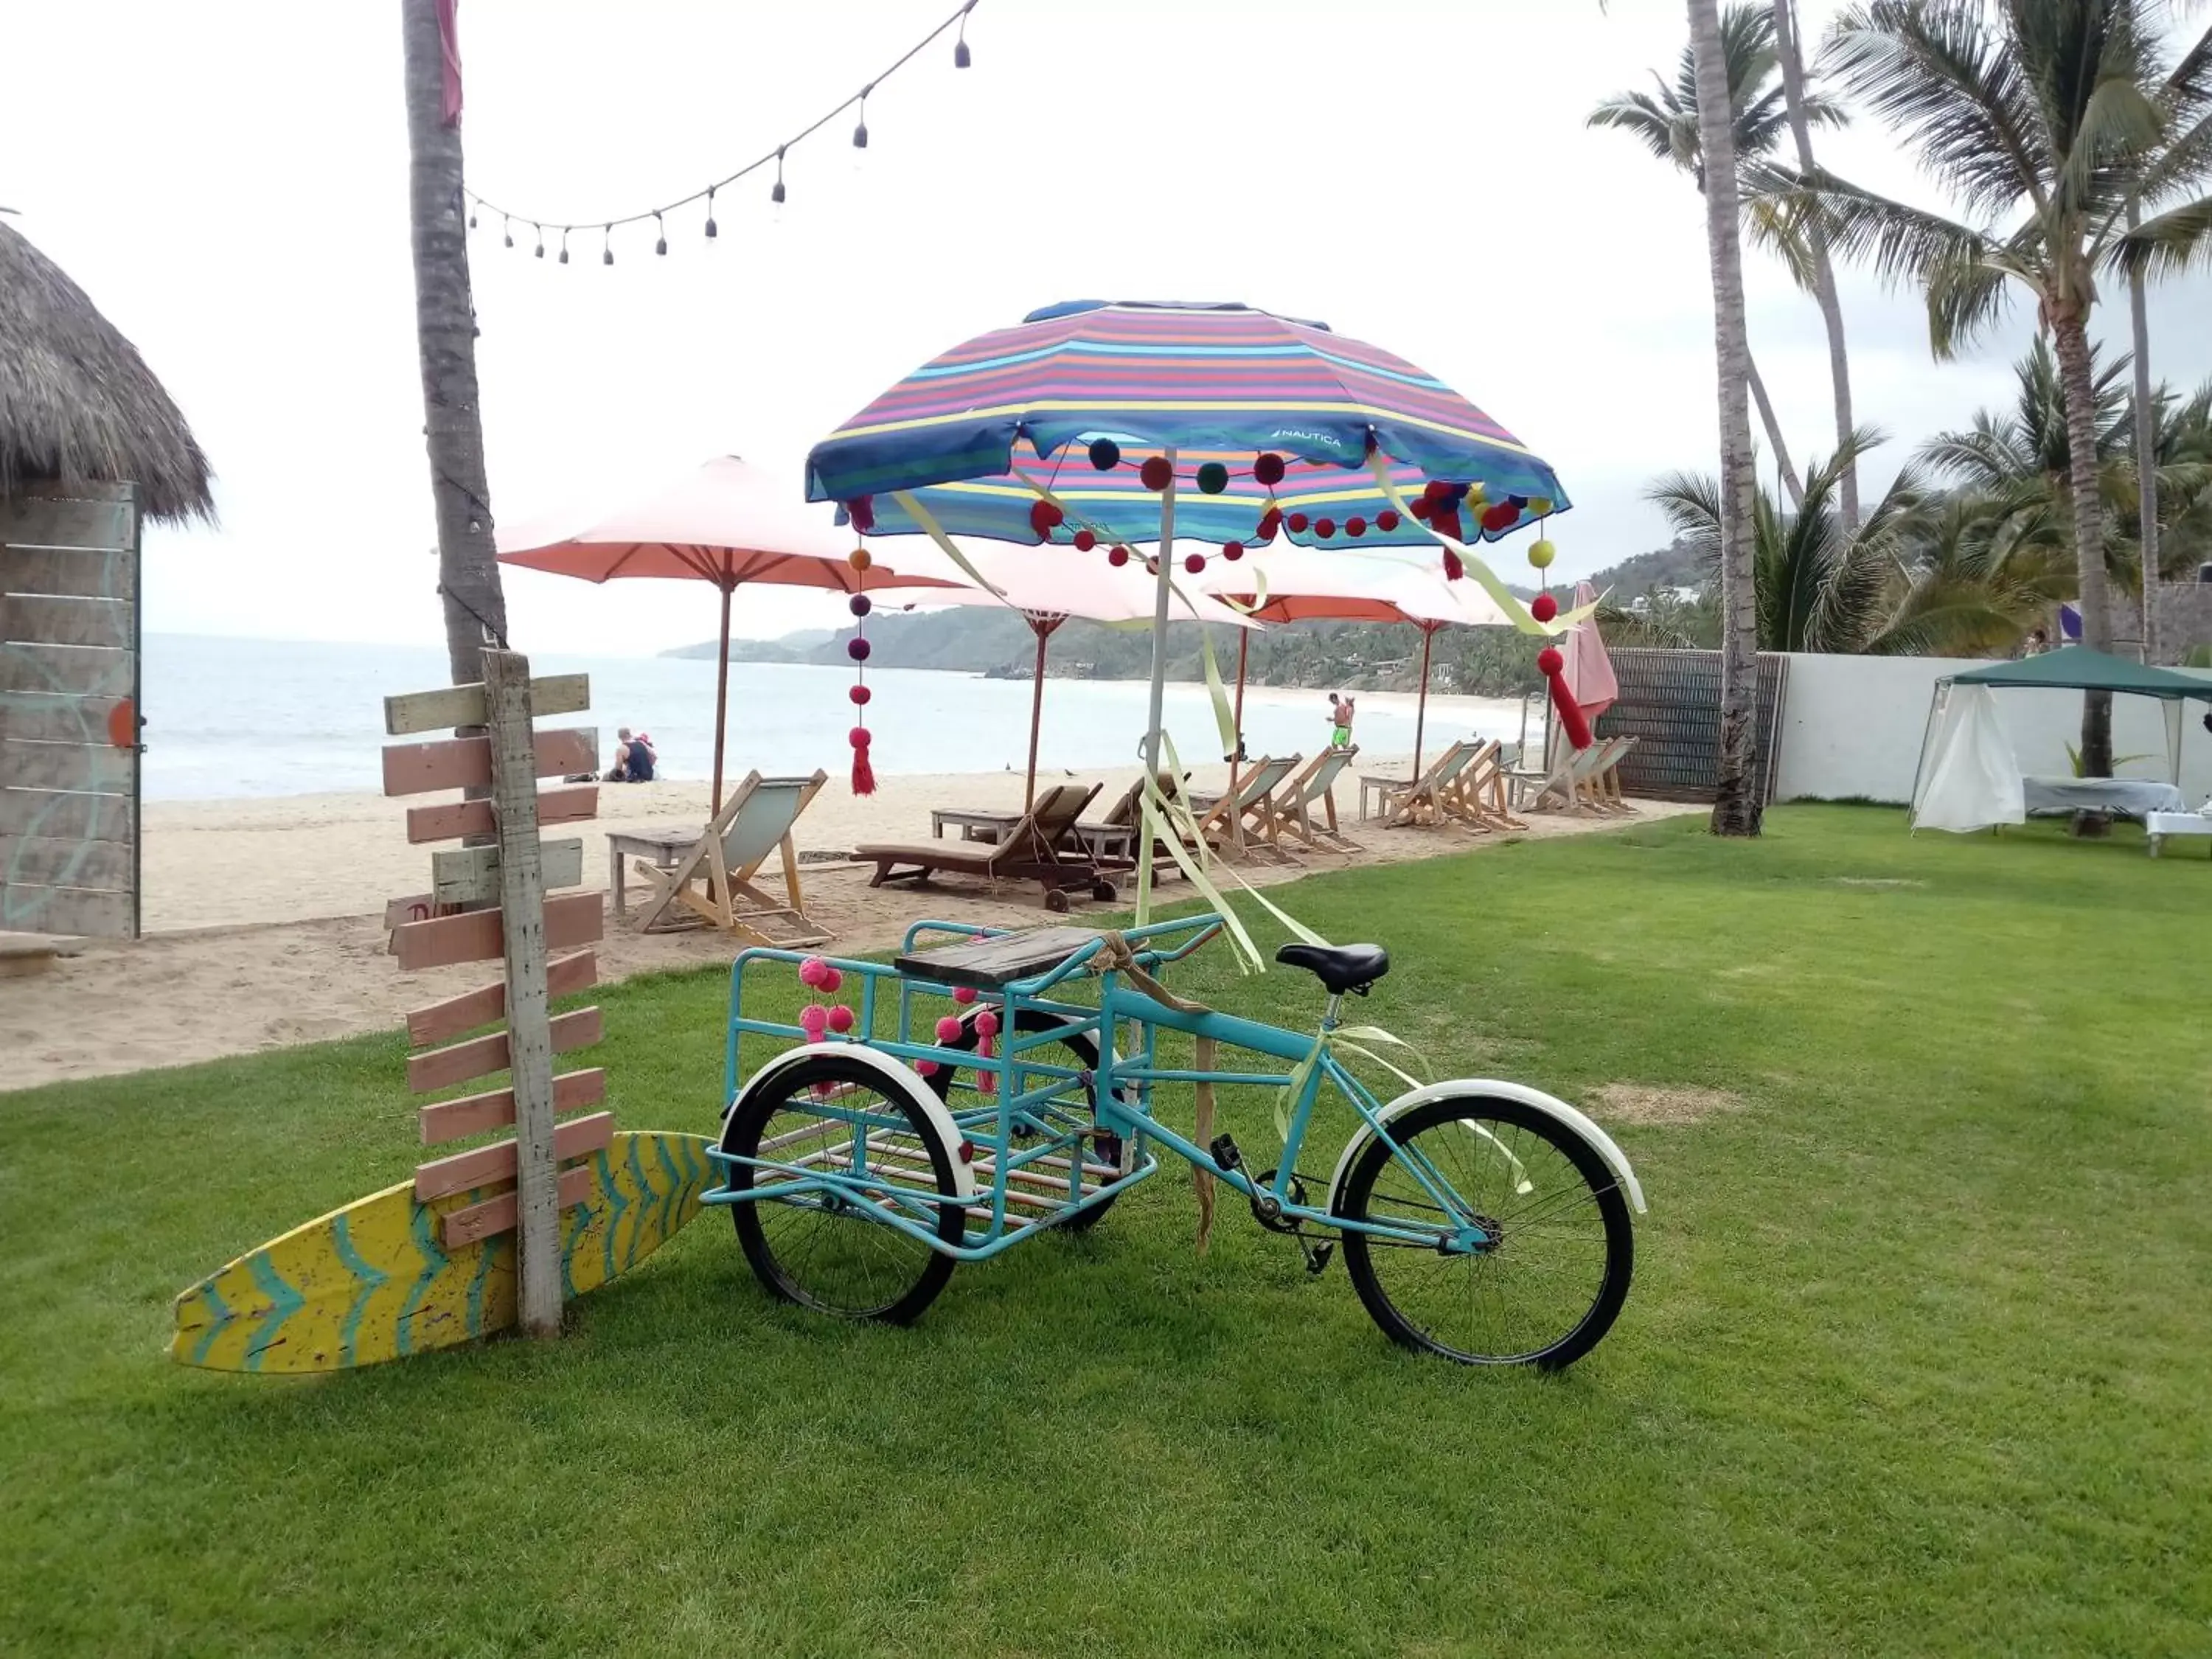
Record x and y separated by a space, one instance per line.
2173 244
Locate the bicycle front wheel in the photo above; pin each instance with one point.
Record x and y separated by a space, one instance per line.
1524 1247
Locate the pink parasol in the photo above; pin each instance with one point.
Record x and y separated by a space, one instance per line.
1303 585
726 523
1049 585
1589 671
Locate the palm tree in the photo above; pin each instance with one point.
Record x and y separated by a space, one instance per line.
1667 121
1804 109
445 333
2035 115
1737 806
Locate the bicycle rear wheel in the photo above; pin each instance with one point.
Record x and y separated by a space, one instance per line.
1528 1260
838 1116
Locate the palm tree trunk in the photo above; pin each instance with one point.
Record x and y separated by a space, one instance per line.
2071 339
1824 269
1790 480
1736 802
445 332
2146 443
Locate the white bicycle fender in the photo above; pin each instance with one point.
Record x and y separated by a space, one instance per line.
898 1074
1615 1159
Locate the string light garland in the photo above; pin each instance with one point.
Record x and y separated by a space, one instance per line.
961 58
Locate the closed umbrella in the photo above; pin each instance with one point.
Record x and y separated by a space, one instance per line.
1048 587
728 524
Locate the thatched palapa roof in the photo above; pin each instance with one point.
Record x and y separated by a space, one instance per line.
77 403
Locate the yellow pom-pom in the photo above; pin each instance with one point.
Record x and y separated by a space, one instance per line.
859 559
1476 495
1539 506
1540 554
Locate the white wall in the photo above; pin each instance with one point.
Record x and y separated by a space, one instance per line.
1851 728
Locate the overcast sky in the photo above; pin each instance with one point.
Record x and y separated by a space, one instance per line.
229 183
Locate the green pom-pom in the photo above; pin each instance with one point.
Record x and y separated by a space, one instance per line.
1212 478
1540 554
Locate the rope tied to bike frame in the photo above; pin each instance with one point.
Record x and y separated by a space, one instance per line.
1115 955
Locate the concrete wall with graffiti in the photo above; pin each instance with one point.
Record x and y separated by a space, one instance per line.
69 711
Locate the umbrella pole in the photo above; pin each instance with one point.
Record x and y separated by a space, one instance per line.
1037 711
1421 709
1236 754
1152 744
721 699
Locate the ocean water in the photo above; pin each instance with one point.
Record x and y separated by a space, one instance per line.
267 717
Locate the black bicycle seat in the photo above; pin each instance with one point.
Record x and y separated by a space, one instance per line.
1340 967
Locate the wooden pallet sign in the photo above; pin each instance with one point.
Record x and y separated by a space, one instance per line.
487 902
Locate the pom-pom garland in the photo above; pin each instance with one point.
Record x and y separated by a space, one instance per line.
1194 562
1324 528
1541 553
1386 520
1212 478
1045 517
1232 551
1543 607
1117 556
1105 454
1298 523
1086 540
1268 469
857 648
860 604
1155 473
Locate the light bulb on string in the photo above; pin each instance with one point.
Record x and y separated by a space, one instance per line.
710 213
564 244
775 195
607 246
661 233
506 231
960 58
861 131
540 229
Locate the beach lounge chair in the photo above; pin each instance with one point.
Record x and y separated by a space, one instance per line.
1428 799
1570 787
1243 821
1605 781
711 885
1295 802
1480 799
1036 848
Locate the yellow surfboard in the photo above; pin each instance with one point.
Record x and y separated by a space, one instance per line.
370 1282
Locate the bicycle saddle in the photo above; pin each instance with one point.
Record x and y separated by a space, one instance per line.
1340 967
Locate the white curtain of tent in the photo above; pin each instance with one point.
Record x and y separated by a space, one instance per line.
1968 778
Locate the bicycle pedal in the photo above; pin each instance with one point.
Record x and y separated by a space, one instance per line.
1225 1155
1317 1257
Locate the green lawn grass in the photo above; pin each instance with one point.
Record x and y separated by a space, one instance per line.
1918 1357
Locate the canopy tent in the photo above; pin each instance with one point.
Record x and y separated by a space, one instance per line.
1967 770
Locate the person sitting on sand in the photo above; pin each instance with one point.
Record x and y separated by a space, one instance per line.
634 759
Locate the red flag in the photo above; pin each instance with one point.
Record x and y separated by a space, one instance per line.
449 40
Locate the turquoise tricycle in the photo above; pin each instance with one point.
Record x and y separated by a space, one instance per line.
939 1109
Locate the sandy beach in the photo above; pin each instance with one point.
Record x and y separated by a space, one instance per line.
265 917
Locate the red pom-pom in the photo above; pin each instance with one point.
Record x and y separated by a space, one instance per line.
1385 521
858 737
861 509
1085 541
1044 517
1155 473
1232 551
1355 526
1268 469
1501 516
1298 524
1270 522
1550 662
1324 528
860 694
1420 507
1543 607
1435 491
864 776
1453 569
841 1019
1194 562
1117 555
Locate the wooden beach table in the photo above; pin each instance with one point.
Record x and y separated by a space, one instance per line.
974 822
1376 787
622 846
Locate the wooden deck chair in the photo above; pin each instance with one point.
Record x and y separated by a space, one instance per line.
1243 822
1034 849
1294 803
1482 801
1605 783
711 885
1426 800
1566 787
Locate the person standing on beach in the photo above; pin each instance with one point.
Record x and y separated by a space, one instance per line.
1339 736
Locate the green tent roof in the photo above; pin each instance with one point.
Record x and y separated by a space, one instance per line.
2077 668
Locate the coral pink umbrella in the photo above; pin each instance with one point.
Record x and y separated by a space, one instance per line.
728 524
1589 671
1303 585
1050 585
